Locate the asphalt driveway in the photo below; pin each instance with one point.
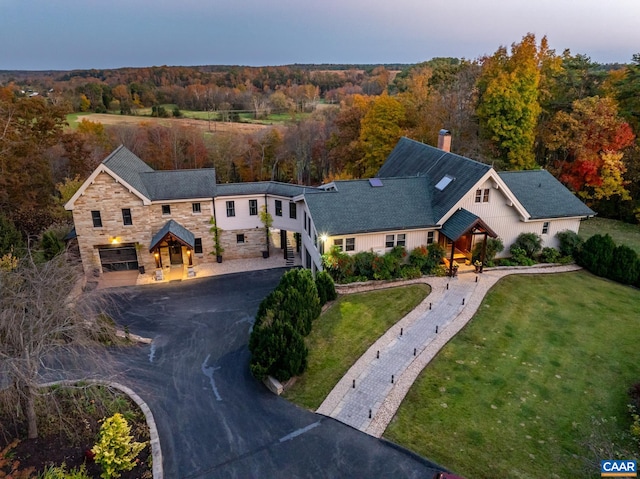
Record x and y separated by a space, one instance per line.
213 417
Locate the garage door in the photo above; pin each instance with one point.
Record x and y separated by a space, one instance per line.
118 258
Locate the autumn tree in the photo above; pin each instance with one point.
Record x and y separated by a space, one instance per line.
591 138
46 324
509 104
28 127
381 128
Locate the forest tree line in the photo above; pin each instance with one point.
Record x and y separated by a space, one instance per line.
522 107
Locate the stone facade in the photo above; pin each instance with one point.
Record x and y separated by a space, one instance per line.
109 197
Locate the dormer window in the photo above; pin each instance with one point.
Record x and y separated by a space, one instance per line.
444 182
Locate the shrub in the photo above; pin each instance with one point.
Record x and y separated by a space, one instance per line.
277 349
61 472
530 243
326 288
115 450
419 257
338 264
436 255
409 272
494 246
596 255
570 242
363 264
625 266
549 255
519 257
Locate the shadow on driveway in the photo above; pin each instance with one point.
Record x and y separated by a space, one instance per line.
213 417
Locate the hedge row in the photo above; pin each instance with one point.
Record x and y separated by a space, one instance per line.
367 265
600 255
284 317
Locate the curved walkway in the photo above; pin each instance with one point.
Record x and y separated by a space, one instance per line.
384 374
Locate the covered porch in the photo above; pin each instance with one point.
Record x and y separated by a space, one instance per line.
172 247
461 232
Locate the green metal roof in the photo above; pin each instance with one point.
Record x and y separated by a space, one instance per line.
355 206
461 222
173 229
543 196
411 158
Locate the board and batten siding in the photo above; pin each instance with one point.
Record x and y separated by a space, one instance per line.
376 241
506 221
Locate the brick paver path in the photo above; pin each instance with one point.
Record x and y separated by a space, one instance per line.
384 374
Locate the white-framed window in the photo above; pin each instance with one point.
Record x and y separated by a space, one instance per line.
166 210
389 241
350 244
339 243
401 240
97 219
293 211
430 237
231 208
195 208
197 246
482 195
278 207
545 228
253 207
240 238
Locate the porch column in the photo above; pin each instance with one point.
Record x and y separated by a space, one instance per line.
453 249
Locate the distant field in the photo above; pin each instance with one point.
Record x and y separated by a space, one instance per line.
213 127
622 233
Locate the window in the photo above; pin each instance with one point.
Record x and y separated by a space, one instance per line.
253 207
315 239
278 208
166 209
126 217
545 228
231 208
338 243
240 238
197 246
401 240
97 220
350 244
389 241
309 226
430 237
293 211
482 196
195 207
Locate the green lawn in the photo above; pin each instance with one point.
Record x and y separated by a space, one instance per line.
622 233
344 332
514 393
73 118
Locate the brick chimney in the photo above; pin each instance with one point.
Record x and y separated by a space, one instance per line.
444 140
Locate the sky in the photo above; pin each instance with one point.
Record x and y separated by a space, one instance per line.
83 34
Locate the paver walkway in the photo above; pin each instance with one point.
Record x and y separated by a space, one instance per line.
384 374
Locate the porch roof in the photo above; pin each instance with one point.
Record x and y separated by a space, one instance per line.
174 231
461 222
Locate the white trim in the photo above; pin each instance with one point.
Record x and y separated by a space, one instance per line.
102 168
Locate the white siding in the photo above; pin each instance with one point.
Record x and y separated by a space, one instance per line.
242 220
376 241
507 223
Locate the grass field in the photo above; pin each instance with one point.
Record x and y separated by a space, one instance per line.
513 394
622 233
344 332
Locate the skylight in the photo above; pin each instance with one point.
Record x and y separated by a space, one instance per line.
444 182
375 182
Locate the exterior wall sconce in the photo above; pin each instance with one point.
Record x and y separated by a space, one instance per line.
158 260
114 240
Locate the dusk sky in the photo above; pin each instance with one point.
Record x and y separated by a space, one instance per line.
81 34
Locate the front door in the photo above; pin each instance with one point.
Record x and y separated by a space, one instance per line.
175 253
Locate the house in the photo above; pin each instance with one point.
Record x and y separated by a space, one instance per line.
128 216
